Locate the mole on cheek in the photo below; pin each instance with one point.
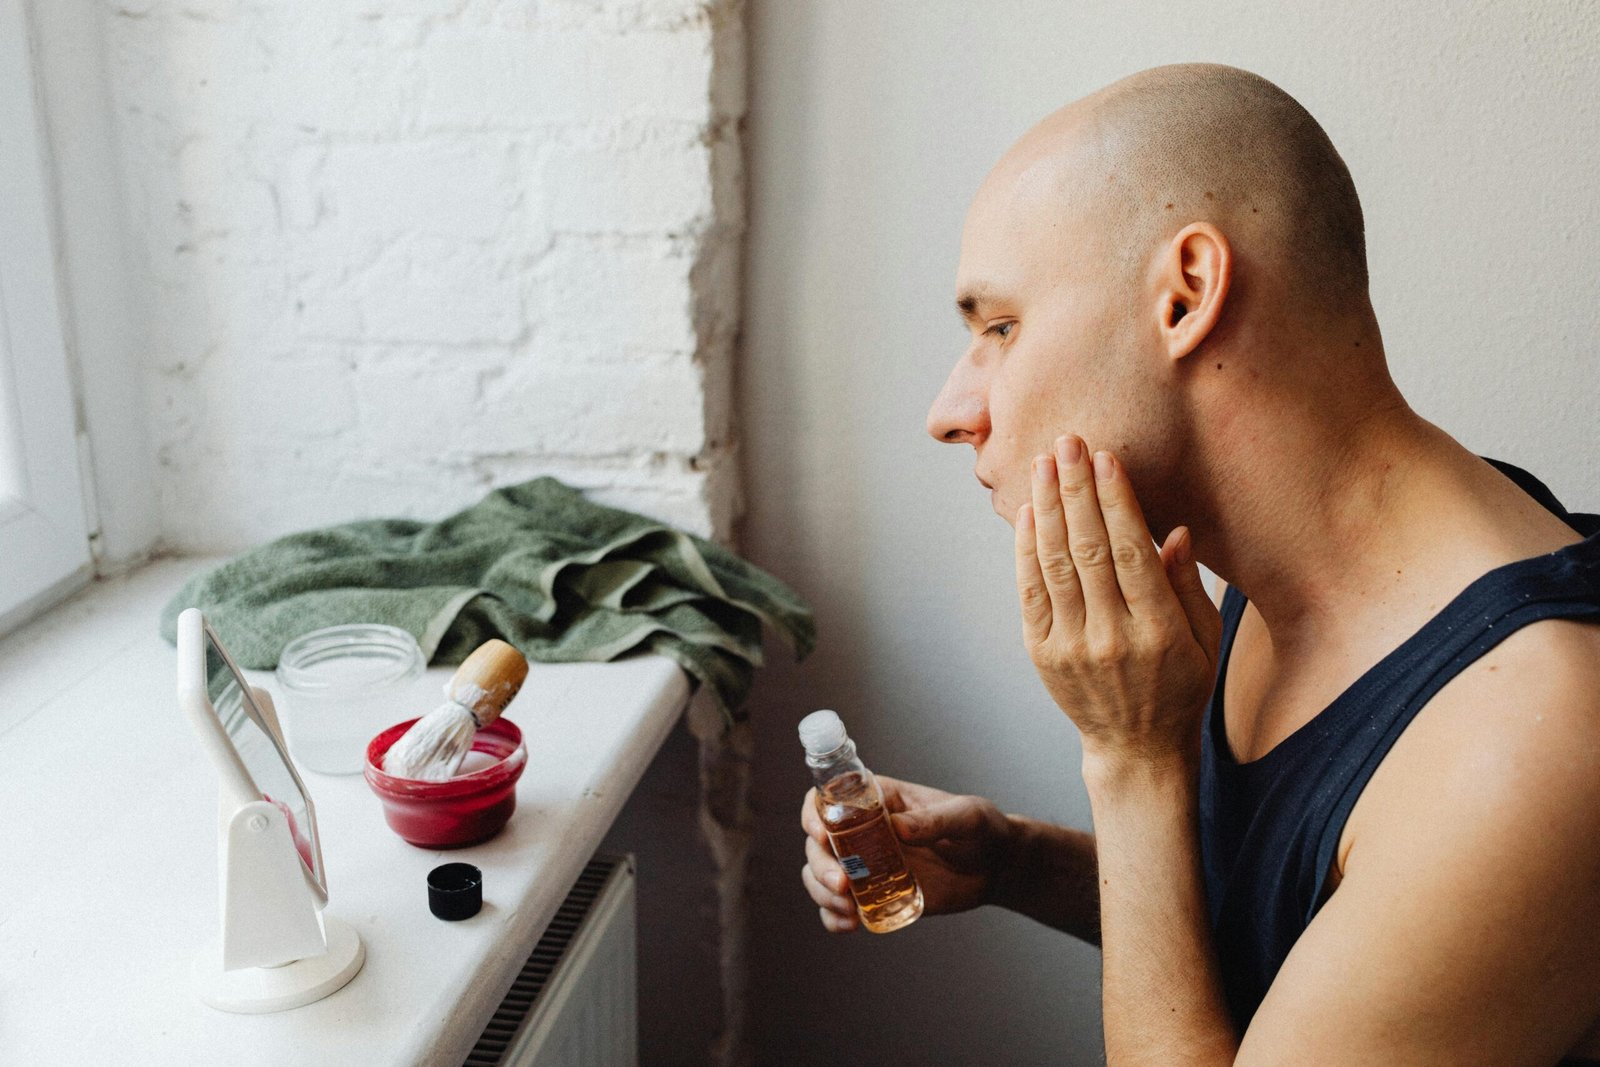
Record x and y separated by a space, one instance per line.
1209 196
1219 366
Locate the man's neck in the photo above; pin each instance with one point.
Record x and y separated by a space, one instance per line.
1296 526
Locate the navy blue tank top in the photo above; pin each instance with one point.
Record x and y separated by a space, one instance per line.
1269 828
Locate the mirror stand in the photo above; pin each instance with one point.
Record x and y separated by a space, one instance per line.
277 950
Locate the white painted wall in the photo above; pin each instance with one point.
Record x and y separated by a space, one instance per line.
382 255
1473 132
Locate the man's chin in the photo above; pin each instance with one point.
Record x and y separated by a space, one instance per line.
1000 509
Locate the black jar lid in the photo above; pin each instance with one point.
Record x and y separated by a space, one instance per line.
455 891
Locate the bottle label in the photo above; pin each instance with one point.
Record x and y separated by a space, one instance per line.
855 867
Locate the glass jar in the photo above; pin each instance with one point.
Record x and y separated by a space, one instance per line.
343 685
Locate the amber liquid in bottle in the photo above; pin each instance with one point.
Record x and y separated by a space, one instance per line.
851 805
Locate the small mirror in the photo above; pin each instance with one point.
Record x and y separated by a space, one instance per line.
263 756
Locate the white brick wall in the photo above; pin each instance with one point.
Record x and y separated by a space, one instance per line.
393 252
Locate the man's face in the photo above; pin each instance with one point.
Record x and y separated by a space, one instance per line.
1058 343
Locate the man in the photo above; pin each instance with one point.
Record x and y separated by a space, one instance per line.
1354 818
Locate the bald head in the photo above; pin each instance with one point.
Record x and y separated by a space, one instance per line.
1164 268
1204 142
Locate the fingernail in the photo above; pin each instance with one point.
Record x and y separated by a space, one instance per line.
1044 469
1104 466
1185 553
1071 448
1025 516
840 883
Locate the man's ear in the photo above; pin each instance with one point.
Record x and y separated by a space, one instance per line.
1192 286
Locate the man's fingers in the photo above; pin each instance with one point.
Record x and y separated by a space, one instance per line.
1052 547
953 817
1140 577
824 897
1032 593
898 795
1184 573
810 820
825 883
822 863
1087 541
835 923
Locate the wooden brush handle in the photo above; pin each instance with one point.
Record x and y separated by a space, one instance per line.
488 679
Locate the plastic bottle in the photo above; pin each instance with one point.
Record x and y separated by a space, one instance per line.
851 805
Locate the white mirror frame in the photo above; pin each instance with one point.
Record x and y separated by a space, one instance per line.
276 950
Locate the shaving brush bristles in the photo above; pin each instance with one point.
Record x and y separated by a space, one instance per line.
432 750
480 689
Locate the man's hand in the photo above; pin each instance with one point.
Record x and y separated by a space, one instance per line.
1125 638
1126 641
957 846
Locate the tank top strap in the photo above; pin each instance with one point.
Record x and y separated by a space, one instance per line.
1232 611
1213 729
1562 585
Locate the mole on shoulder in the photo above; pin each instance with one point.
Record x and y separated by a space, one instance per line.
1169 207
1219 366
1209 196
1358 344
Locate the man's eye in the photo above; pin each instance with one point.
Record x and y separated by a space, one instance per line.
1001 330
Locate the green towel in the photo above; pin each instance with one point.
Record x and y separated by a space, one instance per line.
537 564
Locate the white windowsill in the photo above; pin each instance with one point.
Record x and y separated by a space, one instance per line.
109 882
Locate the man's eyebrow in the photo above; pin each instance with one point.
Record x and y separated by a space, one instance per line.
967 303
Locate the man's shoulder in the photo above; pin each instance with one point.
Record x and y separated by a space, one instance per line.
1470 886
1535 692
1513 738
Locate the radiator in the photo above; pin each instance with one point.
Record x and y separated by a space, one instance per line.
575 1003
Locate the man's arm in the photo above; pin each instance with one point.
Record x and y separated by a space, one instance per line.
1161 991
1466 926
1051 877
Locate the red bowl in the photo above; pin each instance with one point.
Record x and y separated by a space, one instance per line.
460 811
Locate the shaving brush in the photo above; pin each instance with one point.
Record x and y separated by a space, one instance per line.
479 690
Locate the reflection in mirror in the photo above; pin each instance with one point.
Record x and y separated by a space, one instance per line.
263 757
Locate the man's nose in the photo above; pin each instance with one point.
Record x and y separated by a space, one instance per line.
960 413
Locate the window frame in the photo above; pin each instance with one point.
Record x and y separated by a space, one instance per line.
45 548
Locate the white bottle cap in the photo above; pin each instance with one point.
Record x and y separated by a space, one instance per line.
822 732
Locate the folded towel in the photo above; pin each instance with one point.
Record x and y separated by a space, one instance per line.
537 564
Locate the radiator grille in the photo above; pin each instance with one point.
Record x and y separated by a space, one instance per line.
533 984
